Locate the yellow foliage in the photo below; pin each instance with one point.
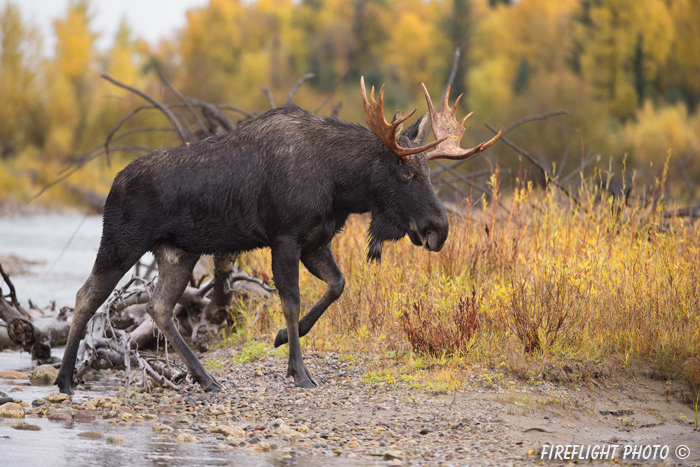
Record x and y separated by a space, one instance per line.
686 16
62 107
621 32
123 65
414 63
656 131
490 85
74 53
535 29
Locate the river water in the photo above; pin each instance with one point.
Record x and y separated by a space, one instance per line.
64 248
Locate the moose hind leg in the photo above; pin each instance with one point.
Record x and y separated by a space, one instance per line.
174 271
88 299
321 264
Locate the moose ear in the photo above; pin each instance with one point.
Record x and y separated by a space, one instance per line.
418 132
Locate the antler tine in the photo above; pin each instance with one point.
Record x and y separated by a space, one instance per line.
449 131
446 102
386 132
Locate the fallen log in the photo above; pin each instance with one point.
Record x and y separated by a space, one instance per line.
5 341
33 330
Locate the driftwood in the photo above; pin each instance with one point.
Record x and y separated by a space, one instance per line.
120 331
118 334
32 330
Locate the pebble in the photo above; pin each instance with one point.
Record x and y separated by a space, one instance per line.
229 430
11 374
26 426
11 410
367 422
57 397
84 416
159 428
60 417
186 438
43 375
116 439
90 435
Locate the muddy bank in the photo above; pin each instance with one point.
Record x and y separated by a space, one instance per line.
348 421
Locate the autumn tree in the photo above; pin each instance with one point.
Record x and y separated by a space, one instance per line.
20 112
686 53
73 79
623 47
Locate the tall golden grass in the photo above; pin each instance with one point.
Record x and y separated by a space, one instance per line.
543 280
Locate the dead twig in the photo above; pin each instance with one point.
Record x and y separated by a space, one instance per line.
333 91
13 293
181 133
297 85
270 97
536 163
182 99
533 118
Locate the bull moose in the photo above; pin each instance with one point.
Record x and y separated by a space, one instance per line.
287 180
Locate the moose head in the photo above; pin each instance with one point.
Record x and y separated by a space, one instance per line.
408 204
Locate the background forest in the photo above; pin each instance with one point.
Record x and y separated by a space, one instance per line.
626 70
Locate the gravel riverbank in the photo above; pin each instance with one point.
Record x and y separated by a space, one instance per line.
346 418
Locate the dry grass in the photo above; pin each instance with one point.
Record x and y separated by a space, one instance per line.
553 283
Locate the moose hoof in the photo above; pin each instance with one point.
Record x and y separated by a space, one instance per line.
213 386
63 386
281 338
307 384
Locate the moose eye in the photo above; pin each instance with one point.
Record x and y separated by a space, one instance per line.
406 175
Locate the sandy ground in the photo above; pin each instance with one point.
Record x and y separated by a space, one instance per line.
493 421
624 411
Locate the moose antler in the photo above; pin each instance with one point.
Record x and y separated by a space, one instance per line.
374 114
449 131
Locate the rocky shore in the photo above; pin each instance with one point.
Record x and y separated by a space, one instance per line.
346 417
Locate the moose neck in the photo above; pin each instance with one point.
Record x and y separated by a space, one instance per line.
358 171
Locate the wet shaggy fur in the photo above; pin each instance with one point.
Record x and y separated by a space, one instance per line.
286 180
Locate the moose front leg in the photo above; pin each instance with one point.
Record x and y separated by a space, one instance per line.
285 271
321 264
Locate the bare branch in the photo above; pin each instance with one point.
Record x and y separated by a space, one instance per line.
537 164
233 108
245 277
182 98
269 95
532 118
11 286
119 124
213 115
184 137
466 179
330 95
297 85
578 171
77 166
453 74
